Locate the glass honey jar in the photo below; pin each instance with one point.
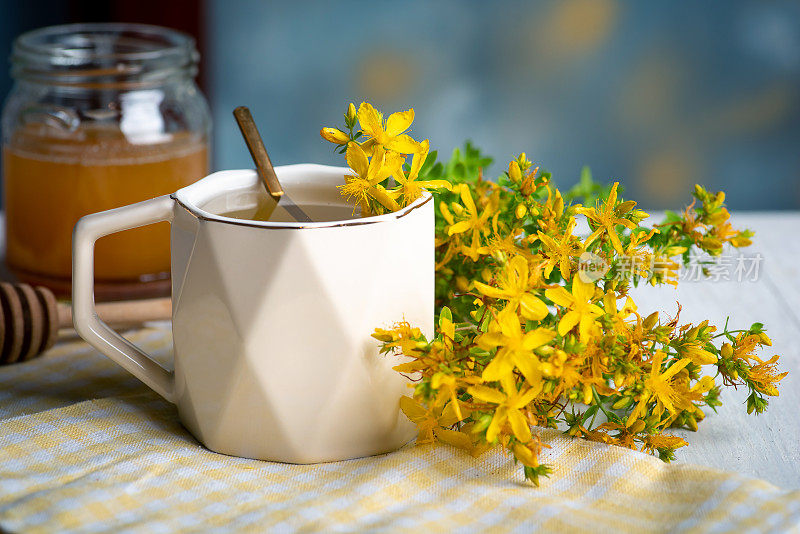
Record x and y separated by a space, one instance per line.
100 116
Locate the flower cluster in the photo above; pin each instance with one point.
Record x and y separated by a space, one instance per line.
527 337
376 152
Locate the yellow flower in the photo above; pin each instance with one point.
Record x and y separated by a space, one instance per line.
515 288
618 317
659 385
446 385
606 220
765 375
579 303
660 441
390 136
553 208
516 349
369 173
434 423
410 186
509 405
474 222
560 251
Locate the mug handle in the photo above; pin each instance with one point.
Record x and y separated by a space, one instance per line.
88 325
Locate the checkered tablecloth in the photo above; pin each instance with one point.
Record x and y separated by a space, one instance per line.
84 447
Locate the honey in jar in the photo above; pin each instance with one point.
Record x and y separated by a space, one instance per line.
50 182
100 116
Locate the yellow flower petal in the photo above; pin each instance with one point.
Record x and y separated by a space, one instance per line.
368 146
509 323
490 291
452 414
399 122
529 366
380 194
537 338
582 291
419 159
529 395
520 427
500 366
500 416
466 198
458 228
413 410
486 394
568 322
454 438
615 242
585 327
532 308
672 371
357 159
376 165
403 144
489 340
435 184
524 455
371 121
445 211
560 296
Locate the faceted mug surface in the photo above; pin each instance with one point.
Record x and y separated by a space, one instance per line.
272 321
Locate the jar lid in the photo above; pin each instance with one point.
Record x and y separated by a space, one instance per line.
103 53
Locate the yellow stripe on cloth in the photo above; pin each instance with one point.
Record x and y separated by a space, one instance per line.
125 464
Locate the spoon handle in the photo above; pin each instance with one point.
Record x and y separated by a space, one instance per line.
258 151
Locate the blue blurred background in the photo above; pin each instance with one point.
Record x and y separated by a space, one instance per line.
658 95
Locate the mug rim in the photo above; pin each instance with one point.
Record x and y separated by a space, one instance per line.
180 197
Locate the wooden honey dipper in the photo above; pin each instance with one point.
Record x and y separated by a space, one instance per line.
30 318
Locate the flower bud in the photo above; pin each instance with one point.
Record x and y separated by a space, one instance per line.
350 115
623 402
619 379
334 135
462 283
588 394
691 422
675 251
528 186
726 351
712 245
625 207
650 321
547 369
699 192
765 340
521 211
514 172
523 162
637 427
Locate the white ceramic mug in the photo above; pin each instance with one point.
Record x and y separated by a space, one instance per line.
273 357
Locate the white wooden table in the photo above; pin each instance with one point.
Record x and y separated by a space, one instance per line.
765 446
